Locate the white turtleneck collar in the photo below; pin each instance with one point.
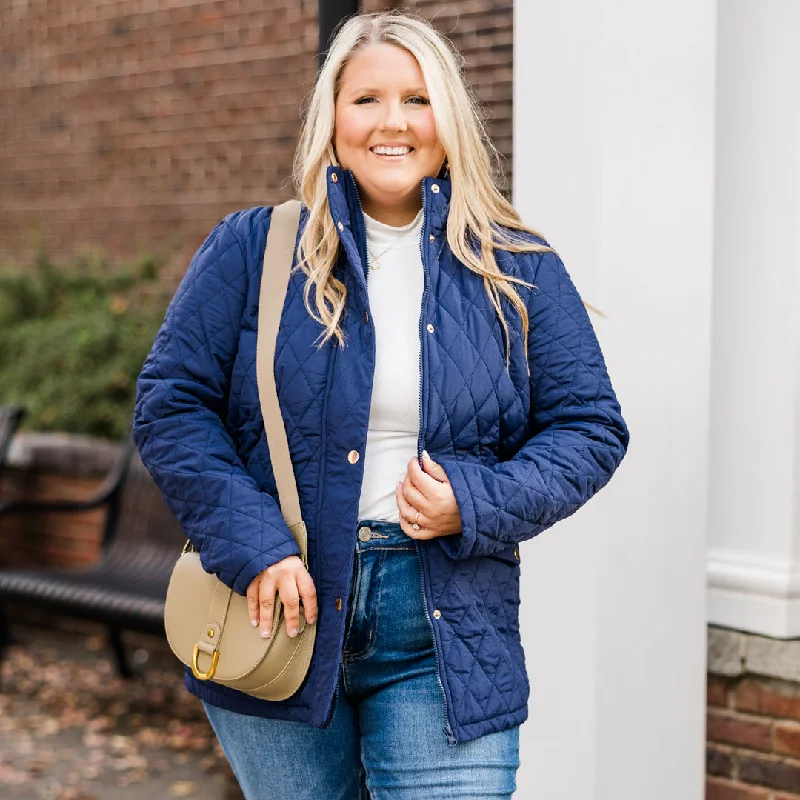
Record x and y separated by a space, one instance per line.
381 235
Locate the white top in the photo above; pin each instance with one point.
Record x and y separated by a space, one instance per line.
395 299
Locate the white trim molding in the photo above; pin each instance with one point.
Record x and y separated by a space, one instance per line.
754 592
753 566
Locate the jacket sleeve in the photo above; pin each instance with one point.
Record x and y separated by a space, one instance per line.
578 434
182 396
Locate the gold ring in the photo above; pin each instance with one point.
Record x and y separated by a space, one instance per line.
416 521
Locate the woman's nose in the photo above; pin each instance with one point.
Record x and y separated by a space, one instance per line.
394 118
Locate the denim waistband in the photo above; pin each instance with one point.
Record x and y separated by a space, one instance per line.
373 533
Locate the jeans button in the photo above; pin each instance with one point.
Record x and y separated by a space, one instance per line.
364 534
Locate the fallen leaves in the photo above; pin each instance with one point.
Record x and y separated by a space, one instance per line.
70 729
183 788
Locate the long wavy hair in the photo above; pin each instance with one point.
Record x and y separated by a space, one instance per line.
480 219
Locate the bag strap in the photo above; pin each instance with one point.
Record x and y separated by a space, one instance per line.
278 257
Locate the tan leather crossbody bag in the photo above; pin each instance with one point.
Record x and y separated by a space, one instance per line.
208 625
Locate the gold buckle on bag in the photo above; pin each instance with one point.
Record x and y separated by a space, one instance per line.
204 676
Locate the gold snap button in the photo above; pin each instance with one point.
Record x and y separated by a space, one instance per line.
338 603
210 633
516 553
433 238
430 328
364 534
435 188
353 456
334 177
366 316
437 613
341 227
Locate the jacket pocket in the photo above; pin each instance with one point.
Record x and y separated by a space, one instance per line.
508 556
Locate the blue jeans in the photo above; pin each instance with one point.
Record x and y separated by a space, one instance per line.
388 737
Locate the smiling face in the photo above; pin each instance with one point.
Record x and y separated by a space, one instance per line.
385 133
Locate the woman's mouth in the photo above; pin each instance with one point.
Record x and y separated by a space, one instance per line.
391 153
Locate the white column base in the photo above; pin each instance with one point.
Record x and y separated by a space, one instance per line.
754 593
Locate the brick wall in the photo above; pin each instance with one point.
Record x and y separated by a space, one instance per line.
37 539
53 467
132 123
483 32
753 748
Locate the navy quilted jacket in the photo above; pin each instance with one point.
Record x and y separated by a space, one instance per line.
521 451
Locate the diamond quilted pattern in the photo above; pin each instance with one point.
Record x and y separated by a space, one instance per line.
523 447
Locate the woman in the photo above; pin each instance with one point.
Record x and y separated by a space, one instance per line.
445 398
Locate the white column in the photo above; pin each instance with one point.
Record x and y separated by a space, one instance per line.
613 160
754 500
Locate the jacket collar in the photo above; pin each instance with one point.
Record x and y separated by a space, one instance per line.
346 207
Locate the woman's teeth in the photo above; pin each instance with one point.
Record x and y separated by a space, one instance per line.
391 151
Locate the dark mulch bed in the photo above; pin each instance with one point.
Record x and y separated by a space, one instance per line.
70 729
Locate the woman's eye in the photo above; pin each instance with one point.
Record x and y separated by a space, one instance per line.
416 100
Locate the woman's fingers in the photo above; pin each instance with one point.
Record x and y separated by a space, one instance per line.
252 601
417 477
290 579
308 592
292 588
408 515
266 603
436 471
412 495
290 598
402 504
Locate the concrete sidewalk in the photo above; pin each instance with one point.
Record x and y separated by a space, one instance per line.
70 729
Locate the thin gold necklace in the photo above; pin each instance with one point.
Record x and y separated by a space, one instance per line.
374 263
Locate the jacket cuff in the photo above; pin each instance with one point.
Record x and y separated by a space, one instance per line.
460 545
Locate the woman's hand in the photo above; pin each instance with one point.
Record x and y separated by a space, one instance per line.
426 498
292 581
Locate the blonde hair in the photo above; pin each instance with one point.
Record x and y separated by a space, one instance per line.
480 218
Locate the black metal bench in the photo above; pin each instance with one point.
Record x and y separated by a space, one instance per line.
126 588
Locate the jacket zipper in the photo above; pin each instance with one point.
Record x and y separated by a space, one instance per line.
362 244
362 255
321 485
447 729
421 314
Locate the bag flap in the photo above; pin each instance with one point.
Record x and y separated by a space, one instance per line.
200 609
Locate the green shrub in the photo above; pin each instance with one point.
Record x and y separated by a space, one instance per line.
73 339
